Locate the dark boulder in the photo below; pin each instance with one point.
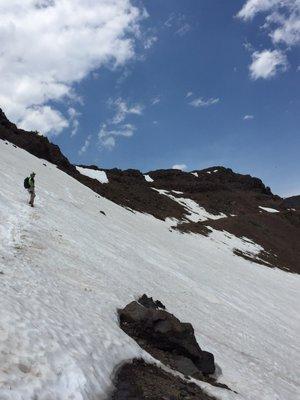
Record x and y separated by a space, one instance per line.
161 330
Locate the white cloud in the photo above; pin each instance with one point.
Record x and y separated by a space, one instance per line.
184 29
108 142
107 136
149 42
44 119
267 63
282 23
253 7
73 115
156 100
182 167
123 109
179 22
247 117
282 18
116 127
86 145
201 102
189 94
48 46
248 46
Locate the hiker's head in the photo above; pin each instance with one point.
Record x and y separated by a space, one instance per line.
32 174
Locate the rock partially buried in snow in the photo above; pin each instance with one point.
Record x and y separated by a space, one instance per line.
160 332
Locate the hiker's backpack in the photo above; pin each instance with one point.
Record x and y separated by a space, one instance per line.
26 183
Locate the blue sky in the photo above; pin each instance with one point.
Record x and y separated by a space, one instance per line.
192 83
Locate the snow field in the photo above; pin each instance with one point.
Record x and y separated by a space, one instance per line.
67 268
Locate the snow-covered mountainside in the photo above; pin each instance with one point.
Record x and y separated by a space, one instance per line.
239 204
66 268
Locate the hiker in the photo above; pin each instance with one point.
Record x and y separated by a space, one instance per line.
29 185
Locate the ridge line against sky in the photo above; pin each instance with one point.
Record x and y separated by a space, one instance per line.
135 84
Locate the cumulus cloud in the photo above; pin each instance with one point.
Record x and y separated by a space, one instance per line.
282 18
282 24
201 102
247 117
182 167
86 145
253 7
267 63
48 46
43 119
107 136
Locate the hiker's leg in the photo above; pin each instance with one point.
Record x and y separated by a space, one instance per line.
29 191
32 197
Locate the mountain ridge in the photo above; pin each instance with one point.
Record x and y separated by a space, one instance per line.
240 204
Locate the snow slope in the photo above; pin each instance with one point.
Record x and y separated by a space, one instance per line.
94 173
67 268
195 212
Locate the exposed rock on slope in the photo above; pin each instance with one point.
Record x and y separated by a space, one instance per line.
292 202
141 381
33 143
278 234
171 342
166 338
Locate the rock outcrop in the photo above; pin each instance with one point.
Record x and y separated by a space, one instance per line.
166 338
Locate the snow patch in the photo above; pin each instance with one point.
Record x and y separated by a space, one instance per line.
95 174
196 213
148 178
195 174
177 192
268 209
